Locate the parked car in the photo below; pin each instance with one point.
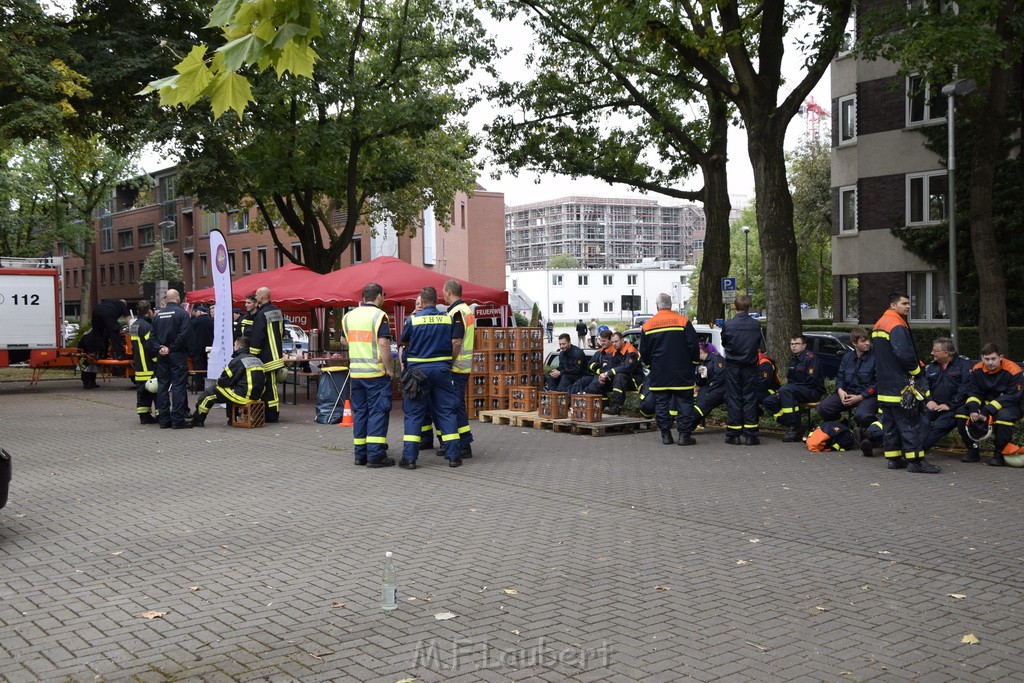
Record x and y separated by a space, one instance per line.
705 333
830 348
70 331
551 361
640 318
295 338
5 476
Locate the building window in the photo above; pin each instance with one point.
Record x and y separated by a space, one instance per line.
297 251
851 298
145 235
631 280
106 234
607 279
238 221
120 273
261 258
168 188
357 249
849 34
75 276
847 210
231 261
847 119
584 280
209 222
926 197
609 306
556 307
203 266
924 103
170 231
125 239
111 273
556 280
584 307
928 295
278 257
103 276
246 261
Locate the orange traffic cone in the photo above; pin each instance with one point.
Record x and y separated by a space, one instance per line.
346 417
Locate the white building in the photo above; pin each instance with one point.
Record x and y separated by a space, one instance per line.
566 295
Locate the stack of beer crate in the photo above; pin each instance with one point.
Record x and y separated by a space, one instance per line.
508 369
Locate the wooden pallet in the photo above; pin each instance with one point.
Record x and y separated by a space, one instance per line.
534 420
609 425
499 417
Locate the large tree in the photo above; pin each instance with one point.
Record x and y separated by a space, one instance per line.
373 136
810 175
620 110
751 40
981 40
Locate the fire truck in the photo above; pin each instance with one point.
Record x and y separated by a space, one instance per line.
32 314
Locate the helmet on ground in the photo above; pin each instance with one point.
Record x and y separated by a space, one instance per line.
1015 460
151 385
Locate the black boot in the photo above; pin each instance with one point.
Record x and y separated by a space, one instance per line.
919 466
733 439
666 437
897 463
792 434
867 448
199 420
687 440
147 419
973 454
997 460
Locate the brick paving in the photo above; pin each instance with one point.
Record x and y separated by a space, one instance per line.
630 561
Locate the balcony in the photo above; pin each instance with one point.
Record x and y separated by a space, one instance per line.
188 245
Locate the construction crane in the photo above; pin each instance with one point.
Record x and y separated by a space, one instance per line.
812 113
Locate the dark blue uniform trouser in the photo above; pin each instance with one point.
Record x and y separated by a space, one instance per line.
171 376
460 382
646 399
620 385
673 405
832 408
143 399
938 424
707 400
902 431
440 399
371 408
1002 425
741 399
784 405
560 383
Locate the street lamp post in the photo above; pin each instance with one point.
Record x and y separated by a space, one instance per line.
951 90
746 259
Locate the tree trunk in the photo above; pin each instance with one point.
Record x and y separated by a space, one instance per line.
87 275
775 231
990 115
716 260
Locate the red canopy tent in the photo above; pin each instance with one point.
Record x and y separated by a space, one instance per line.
290 285
401 281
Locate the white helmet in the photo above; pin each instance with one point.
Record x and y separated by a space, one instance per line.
1015 460
151 385
282 374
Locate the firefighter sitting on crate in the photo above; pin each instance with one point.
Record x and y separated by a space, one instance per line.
241 382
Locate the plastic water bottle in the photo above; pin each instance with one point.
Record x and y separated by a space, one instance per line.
389 588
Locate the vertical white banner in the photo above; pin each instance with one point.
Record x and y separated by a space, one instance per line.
223 329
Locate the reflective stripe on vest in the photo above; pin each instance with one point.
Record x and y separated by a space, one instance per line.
464 363
360 326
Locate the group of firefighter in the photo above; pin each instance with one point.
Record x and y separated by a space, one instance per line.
885 397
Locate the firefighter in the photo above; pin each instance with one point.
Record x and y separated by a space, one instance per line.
994 392
245 322
172 329
366 331
463 331
897 366
804 384
668 346
144 354
241 381
767 380
106 326
626 373
947 376
741 341
267 343
572 364
428 335
711 378
600 362
855 384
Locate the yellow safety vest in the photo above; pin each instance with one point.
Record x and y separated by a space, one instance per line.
464 363
360 326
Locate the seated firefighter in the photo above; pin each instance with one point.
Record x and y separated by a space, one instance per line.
242 381
855 384
572 364
948 377
710 381
600 362
994 393
804 384
626 373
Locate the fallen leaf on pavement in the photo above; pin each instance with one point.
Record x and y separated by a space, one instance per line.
319 656
741 562
336 605
755 540
407 680
193 588
970 639
441 616
820 608
117 553
876 484
511 591
956 596
153 614
662 588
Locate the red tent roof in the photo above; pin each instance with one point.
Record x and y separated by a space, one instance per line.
401 281
288 285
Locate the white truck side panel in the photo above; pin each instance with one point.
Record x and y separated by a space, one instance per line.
28 305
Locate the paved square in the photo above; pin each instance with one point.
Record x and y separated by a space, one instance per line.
561 556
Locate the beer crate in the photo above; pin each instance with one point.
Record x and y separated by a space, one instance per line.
522 399
534 339
483 340
587 408
499 362
475 405
497 403
248 416
553 404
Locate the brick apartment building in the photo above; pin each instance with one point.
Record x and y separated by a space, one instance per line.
129 227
